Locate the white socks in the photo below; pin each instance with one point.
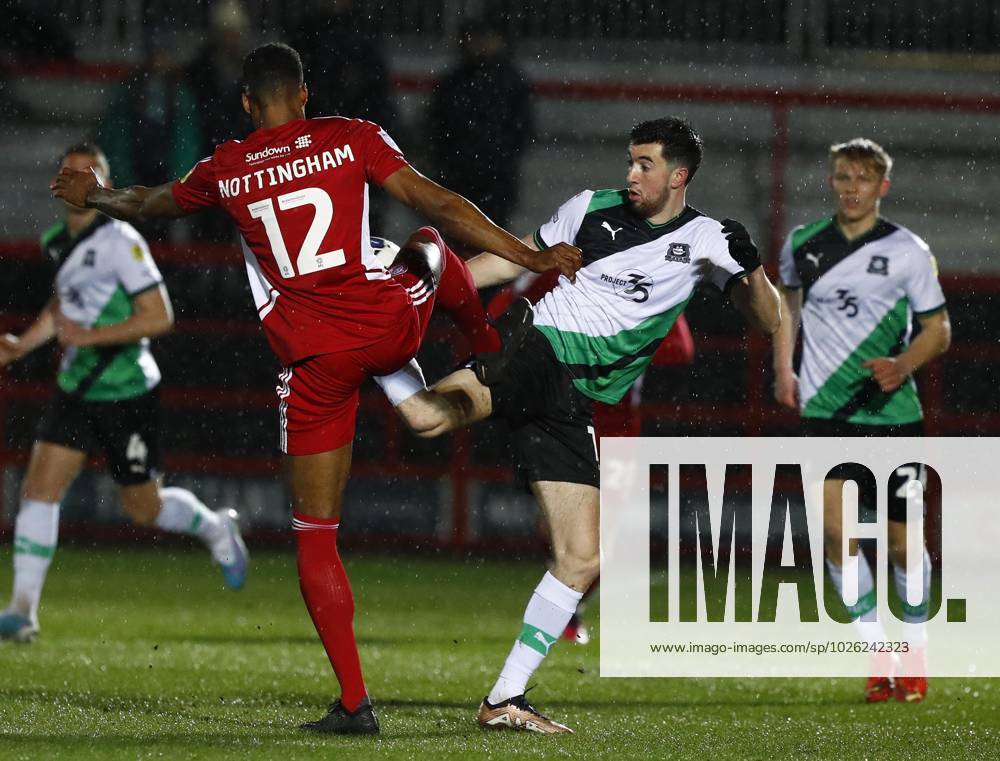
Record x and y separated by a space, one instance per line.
35 531
547 614
183 513
864 610
915 616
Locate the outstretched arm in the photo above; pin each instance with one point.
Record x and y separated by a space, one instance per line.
137 204
489 269
41 331
460 219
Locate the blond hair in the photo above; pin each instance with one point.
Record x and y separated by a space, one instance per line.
865 151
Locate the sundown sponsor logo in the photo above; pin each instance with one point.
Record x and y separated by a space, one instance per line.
268 152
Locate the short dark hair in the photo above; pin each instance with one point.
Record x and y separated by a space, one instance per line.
92 150
271 69
678 141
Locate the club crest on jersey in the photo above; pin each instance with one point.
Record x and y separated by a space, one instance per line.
634 285
879 265
678 252
72 296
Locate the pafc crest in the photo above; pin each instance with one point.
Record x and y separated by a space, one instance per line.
879 265
678 252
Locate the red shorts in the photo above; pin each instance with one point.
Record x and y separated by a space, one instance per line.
318 397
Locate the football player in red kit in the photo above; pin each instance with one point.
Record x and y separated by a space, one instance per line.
297 189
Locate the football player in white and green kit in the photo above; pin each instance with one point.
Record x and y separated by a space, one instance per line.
109 300
644 253
854 281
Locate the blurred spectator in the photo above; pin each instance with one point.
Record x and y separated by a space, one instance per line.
29 36
345 69
214 79
481 120
214 74
151 130
33 36
346 73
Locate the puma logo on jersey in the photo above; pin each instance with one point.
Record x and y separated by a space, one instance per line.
814 258
611 230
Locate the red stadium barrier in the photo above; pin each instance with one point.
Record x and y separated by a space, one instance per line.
756 415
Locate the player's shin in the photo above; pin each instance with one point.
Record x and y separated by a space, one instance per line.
911 684
881 661
914 616
864 610
547 614
458 297
181 512
35 532
328 597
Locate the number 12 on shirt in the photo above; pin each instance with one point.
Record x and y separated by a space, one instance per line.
308 259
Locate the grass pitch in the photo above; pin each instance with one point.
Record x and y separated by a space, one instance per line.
143 654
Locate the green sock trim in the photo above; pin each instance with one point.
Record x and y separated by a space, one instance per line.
862 606
916 612
536 639
24 546
195 523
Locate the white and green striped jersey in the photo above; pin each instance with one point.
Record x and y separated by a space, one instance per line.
858 299
635 280
100 271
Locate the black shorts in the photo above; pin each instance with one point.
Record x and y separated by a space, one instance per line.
900 477
552 424
126 431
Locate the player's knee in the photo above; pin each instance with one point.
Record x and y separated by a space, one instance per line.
833 545
422 257
426 422
897 553
139 516
141 504
428 414
428 431
577 567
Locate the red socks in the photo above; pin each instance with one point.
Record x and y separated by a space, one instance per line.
457 295
327 594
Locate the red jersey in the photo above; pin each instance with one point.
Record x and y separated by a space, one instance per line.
299 195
